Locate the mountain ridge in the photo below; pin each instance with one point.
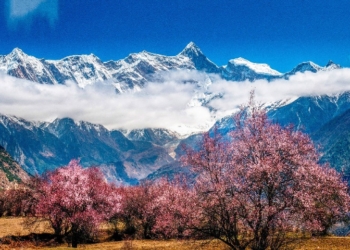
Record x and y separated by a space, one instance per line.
133 71
41 147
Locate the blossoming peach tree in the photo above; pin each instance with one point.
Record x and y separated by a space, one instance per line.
75 201
259 185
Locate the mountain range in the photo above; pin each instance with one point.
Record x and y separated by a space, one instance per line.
126 156
40 147
132 72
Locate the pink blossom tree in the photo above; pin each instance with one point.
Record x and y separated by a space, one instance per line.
262 183
19 199
176 208
147 210
138 210
75 201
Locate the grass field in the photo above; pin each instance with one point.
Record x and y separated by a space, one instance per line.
14 227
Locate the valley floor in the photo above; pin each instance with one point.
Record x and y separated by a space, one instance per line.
14 227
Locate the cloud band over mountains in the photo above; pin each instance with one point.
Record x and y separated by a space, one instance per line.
163 104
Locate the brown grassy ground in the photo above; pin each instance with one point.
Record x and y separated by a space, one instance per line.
14 226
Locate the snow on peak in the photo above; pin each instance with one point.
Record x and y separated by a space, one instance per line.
143 55
91 58
262 68
17 53
191 45
312 64
307 66
331 65
145 52
17 57
191 49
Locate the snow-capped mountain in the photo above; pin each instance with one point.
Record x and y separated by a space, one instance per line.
84 69
199 60
240 69
306 113
156 136
312 67
39 147
137 69
132 72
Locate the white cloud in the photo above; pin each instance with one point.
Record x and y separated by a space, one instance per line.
21 12
306 84
157 105
163 104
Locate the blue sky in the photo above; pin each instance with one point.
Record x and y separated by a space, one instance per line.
278 32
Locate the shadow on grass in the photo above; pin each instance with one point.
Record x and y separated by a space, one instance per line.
31 240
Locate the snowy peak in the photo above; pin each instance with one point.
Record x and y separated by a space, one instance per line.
5 120
156 136
240 69
191 50
17 53
312 67
144 56
21 65
307 66
331 65
261 68
16 57
200 61
82 58
132 72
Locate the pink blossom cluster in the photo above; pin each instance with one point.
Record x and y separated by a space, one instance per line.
75 200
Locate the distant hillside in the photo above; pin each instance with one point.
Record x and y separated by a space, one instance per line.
10 170
334 139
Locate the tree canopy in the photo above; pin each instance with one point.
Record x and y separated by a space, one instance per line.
261 183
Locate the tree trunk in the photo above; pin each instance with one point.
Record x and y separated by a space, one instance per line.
75 236
74 240
145 236
260 241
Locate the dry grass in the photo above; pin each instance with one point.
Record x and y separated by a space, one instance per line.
325 243
137 245
14 226
331 243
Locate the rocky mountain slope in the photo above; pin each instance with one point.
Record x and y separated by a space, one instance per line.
40 147
10 171
334 140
